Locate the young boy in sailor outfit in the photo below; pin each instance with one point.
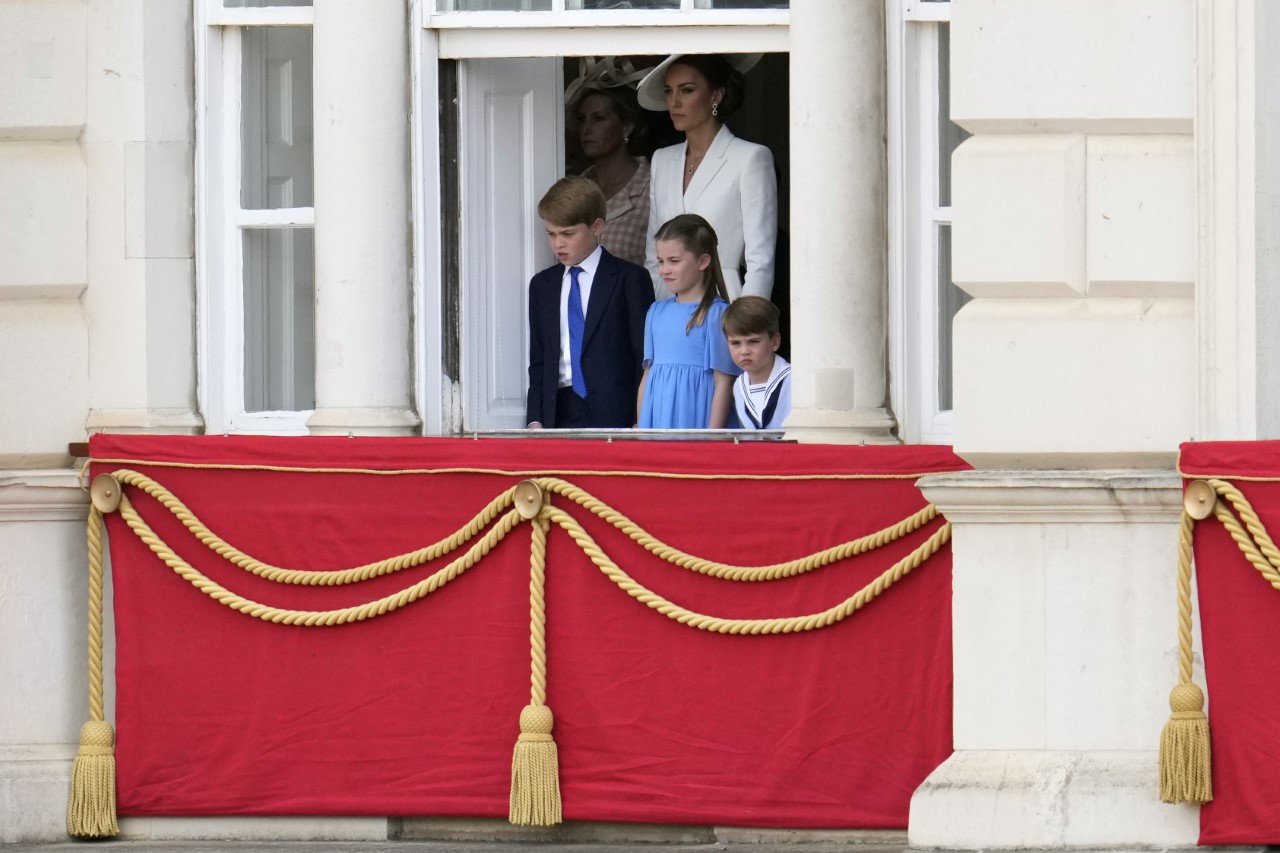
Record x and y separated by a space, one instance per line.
762 393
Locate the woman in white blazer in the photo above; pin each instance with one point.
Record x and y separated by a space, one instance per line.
728 181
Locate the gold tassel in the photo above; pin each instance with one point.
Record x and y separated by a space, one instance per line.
1185 756
91 807
535 771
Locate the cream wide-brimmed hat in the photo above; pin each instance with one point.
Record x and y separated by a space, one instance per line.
650 94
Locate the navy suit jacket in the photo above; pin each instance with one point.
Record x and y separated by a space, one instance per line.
612 342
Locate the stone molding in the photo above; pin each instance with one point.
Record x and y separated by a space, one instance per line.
994 799
853 426
373 420
1120 496
179 421
42 495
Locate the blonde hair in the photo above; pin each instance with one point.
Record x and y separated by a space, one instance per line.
572 201
697 236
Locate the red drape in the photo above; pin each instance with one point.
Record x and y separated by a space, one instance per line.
416 713
1239 612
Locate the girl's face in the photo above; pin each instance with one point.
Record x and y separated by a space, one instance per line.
681 269
689 97
600 130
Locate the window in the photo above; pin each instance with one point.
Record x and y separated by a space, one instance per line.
923 299
502 136
615 5
256 215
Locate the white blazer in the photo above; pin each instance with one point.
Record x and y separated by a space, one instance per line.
736 190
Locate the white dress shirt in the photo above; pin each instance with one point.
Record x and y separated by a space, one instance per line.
588 275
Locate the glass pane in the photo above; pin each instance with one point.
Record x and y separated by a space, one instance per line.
493 5
622 4
276 118
279 320
950 298
750 4
259 4
950 135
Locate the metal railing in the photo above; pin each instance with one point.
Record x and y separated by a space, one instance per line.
736 436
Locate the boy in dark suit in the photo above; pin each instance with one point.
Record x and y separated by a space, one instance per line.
586 319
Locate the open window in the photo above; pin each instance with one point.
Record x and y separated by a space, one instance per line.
512 62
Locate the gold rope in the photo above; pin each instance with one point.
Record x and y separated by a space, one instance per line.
503 472
739 573
535 762
1185 756
323 618
412 593
783 625
91 802
313 578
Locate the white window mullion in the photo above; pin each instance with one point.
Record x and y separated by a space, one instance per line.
277 16
280 217
928 351
232 286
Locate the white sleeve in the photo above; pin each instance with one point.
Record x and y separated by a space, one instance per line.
657 173
759 199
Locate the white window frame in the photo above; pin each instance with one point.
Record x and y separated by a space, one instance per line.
220 219
914 220
493 35
584 32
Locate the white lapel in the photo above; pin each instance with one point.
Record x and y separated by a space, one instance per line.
712 163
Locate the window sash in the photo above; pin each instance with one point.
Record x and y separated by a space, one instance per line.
917 221
222 221
560 17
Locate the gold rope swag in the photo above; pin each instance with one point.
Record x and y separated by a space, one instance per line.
1185 755
535 784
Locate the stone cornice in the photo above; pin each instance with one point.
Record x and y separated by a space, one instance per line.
42 495
1056 496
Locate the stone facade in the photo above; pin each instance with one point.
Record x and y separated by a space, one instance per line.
1114 218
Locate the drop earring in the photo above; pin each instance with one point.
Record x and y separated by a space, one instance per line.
715 108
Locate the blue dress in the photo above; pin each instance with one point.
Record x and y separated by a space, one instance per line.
681 383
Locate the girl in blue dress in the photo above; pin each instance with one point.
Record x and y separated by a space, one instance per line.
688 372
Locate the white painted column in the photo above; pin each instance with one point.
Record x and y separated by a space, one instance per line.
838 187
363 299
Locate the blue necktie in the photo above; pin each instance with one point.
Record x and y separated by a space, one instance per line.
577 325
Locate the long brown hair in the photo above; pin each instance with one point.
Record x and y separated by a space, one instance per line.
697 237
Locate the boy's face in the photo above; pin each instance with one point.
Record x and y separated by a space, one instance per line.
572 243
753 352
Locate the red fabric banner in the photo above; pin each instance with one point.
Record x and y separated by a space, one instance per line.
416 712
1239 612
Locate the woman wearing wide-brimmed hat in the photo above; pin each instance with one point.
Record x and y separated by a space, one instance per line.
612 131
727 180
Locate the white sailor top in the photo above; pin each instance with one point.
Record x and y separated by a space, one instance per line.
764 406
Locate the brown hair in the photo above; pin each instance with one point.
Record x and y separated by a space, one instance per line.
719 74
750 315
699 238
572 201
